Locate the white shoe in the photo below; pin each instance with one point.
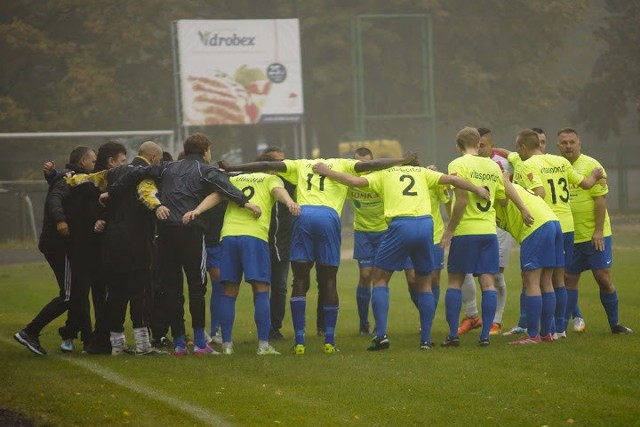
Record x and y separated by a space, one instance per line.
559 335
67 346
579 324
216 339
268 350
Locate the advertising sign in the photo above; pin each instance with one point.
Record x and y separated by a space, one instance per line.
235 72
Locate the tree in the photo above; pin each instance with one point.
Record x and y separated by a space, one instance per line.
614 88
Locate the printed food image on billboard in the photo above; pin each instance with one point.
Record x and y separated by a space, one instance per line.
240 71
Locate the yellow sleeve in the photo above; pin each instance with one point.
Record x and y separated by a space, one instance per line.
99 179
148 194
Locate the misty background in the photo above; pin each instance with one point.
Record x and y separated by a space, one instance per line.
106 65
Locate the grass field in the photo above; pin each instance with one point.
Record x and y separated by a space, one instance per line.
591 378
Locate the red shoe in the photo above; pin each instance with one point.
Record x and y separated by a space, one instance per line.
469 323
527 340
547 338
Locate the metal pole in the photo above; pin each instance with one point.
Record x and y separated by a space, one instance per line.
32 217
176 79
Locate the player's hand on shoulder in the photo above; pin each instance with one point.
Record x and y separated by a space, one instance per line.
321 168
223 164
484 193
103 199
99 226
255 209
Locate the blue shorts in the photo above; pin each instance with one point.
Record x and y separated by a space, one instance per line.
568 247
474 254
365 246
315 236
586 257
438 257
245 254
407 237
543 248
214 253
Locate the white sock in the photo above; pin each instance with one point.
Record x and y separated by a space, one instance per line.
501 289
469 296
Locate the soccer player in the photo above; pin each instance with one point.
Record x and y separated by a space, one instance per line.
505 241
245 250
316 233
549 176
407 211
541 251
592 236
472 234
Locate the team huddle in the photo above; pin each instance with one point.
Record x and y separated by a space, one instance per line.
128 233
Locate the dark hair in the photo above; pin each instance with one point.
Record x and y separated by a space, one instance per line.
567 130
363 151
272 149
106 151
483 131
538 130
181 155
78 153
197 143
166 156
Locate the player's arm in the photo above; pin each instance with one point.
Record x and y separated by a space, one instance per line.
283 196
512 195
219 182
341 177
457 212
99 179
148 194
502 152
600 209
596 175
207 203
379 164
463 184
273 166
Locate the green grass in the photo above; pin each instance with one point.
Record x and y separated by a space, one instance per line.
588 379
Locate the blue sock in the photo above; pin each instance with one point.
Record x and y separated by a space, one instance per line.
489 305
435 289
227 316
610 304
198 338
330 320
522 322
179 341
426 305
380 306
534 312
572 304
214 306
548 310
363 298
298 309
452 307
577 312
262 315
561 309
414 298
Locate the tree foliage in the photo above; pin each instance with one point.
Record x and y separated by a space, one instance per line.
614 89
107 64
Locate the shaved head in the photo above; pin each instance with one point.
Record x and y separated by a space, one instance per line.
150 151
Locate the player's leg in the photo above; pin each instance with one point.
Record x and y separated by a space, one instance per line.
262 317
548 304
193 260
298 301
489 303
471 316
363 295
213 268
278 296
327 279
230 292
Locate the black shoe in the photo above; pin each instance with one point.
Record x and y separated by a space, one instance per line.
450 342
31 342
379 343
365 329
275 335
162 342
97 348
483 342
620 329
426 345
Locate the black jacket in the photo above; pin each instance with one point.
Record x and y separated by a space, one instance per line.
280 228
128 237
183 185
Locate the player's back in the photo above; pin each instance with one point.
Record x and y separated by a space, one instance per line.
479 215
509 217
314 189
404 190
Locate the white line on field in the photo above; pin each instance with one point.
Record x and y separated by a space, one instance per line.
197 412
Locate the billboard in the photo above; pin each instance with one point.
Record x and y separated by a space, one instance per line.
235 72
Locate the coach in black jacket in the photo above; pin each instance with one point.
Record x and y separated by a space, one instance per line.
56 246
